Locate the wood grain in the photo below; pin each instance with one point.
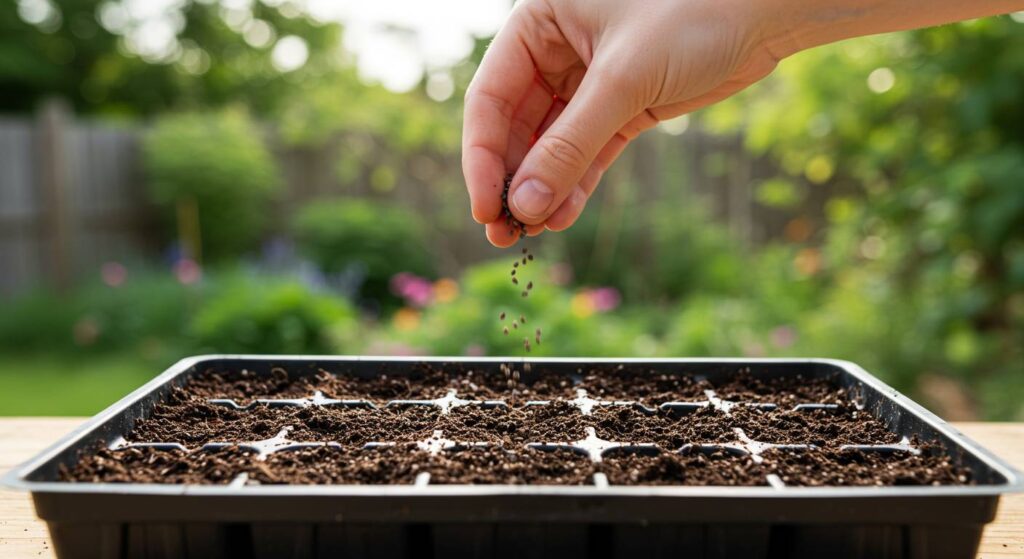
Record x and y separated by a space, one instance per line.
23 536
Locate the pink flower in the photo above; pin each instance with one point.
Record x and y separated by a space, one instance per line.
605 299
187 271
113 273
783 336
417 292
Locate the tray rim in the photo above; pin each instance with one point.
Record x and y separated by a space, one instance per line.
16 477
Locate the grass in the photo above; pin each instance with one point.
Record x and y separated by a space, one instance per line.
47 384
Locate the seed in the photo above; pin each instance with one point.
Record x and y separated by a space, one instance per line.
529 256
524 250
529 285
504 330
501 316
515 264
526 293
515 281
526 343
522 319
515 325
513 272
524 261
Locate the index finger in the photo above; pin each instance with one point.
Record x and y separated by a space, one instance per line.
504 76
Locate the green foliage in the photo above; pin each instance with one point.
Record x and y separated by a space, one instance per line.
267 315
921 264
663 254
219 162
375 239
73 55
145 313
470 322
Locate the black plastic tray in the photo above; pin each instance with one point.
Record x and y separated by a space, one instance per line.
424 520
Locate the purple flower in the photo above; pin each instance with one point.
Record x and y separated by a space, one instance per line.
417 291
783 336
605 299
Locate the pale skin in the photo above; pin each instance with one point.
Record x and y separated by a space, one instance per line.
567 84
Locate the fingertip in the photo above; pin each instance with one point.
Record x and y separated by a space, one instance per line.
534 230
484 172
499 234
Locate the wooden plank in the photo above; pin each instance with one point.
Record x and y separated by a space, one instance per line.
23 536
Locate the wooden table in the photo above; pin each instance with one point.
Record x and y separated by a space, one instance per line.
22 535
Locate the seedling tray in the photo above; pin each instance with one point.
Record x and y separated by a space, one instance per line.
515 458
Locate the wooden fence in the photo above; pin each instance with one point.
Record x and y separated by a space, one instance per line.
72 194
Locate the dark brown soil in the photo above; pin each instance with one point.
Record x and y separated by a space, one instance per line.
669 431
716 468
332 465
823 428
645 386
152 465
783 391
186 417
497 465
548 423
856 467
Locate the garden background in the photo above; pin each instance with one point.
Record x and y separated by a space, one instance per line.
183 177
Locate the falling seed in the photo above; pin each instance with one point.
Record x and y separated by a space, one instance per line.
505 330
513 272
515 281
524 260
501 316
529 256
524 250
525 293
526 343
522 319
515 264
529 285
515 325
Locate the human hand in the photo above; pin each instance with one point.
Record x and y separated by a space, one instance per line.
568 83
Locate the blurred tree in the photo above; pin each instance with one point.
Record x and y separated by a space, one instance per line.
105 59
213 174
927 130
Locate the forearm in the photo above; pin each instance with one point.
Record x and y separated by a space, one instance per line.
796 25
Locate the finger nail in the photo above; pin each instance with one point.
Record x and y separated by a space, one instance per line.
532 198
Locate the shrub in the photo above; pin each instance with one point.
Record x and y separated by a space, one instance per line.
369 238
247 314
469 323
149 307
665 255
220 163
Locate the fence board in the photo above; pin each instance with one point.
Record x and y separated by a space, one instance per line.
106 216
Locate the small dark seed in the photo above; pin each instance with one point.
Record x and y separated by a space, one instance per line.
504 330
515 281
515 326
524 261
529 285
501 316
524 251
515 264
525 293
522 319
513 272
530 257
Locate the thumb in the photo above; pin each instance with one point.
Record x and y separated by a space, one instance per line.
558 159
